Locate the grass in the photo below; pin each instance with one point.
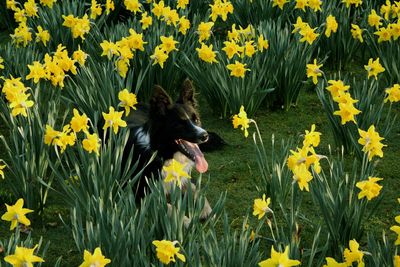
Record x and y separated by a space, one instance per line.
234 170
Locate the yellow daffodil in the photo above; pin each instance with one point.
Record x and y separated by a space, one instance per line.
241 120
279 3
374 20
314 71
42 35
279 259
262 43
158 9
31 8
356 32
312 138
394 29
37 72
48 3
166 251
337 88
135 40
238 69
128 101
396 229
133 5
95 10
109 6
393 94
79 56
20 104
204 30
96 259
299 25
371 142
109 49
353 254
331 25
113 119
146 21
23 257
249 49
261 206
301 4
79 122
79 26
174 172
352 2
122 66
302 176
91 143
21 35
221 9
347 111
206 53
386 9
396 261
384 34
184 25
331 262
1 63
369 189
315 5
182 4
308 34
159 56
374 67
231 49
168 44
16 214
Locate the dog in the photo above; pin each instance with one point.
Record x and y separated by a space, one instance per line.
172 130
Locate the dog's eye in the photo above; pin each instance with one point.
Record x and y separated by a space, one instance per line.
195 119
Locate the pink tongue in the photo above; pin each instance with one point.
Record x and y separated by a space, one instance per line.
201 162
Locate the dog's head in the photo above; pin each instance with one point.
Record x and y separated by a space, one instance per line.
176 127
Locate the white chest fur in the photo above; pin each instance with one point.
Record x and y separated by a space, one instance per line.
185 161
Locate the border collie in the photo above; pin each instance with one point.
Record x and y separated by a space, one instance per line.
172 130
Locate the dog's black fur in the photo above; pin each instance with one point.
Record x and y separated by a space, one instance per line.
160 128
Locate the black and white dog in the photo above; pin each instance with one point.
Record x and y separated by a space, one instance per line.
172 130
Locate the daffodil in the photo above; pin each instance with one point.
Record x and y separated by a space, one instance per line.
95 9
37 72
80 56
166 251
261 206
249 49
109 6
393 93
174 172
315 5
369 189
279 259
356 32
146 21
48 3
168 44
374 20
135 40
17 214
299 25
314 71
331 25
128 101
371 142
262 43
384 34
238 69
396 261
42 35
182 4
109 49
231 49
206 53
279 3
337 88
301 4
1 63
23 257
394 29
113 119
347 111
312 138
31 8
158 9
91 143
204 30
79 122
374 68
159 56
184 25
241 120
396 229
133 5
302 176
20 104
353 254
308 34
21 35
331 262
96 259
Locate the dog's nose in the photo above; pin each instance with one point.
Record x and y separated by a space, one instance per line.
204 137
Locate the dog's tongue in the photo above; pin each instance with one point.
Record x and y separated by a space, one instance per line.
200 161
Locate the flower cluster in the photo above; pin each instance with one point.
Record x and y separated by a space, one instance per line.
300 161
56 67
307 33
15 92
339 92
351 255
79 26
221 8
387 12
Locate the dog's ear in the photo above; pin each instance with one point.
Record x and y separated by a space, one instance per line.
187 95
160 101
